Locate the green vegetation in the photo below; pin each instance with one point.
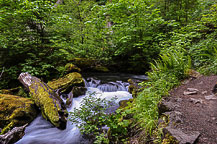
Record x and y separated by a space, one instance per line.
167 38
97 123
166 73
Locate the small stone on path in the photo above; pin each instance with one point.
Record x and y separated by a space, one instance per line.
195 101
204 92
210 97
191 91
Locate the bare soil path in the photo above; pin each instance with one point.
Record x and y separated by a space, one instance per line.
197 108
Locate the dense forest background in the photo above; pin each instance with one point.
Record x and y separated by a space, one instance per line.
41 36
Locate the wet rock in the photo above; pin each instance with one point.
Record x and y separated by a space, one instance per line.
78 91
211 97
133 88
13 135
15 111
66 83
181 137
51 105
69 100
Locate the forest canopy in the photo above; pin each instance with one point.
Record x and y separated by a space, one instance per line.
41 36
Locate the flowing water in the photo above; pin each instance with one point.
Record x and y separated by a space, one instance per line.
41 131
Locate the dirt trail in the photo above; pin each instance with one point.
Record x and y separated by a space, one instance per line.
196 107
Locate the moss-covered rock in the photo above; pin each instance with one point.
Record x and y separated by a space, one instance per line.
134 87
100 68
18 91
67 82
83 63
78 91
89 64
51 105
15 111
124 103
69 67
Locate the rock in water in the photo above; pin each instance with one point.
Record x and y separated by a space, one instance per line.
51 105
13 135
15 111
66 83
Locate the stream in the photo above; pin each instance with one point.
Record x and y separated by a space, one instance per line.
105 86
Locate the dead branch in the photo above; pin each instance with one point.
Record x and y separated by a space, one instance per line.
2 72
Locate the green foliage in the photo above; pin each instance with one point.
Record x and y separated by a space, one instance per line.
173 62
166 73
210 17
182 11
23 38
91 118
136 31
205 55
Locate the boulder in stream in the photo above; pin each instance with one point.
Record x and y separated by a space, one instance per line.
51 105
15 111
66 83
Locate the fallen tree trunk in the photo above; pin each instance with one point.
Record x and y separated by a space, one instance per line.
51 105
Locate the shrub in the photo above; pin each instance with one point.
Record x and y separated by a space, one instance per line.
95 122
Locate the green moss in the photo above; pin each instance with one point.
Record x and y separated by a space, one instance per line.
83 62
101 69
169 140
124 103
18 91
47 100
15 111
67 82
69 67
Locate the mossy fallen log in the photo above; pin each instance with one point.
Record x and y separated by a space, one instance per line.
51 105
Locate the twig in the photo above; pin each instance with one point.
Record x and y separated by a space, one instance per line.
2 72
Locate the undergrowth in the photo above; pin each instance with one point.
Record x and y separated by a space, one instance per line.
166 73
